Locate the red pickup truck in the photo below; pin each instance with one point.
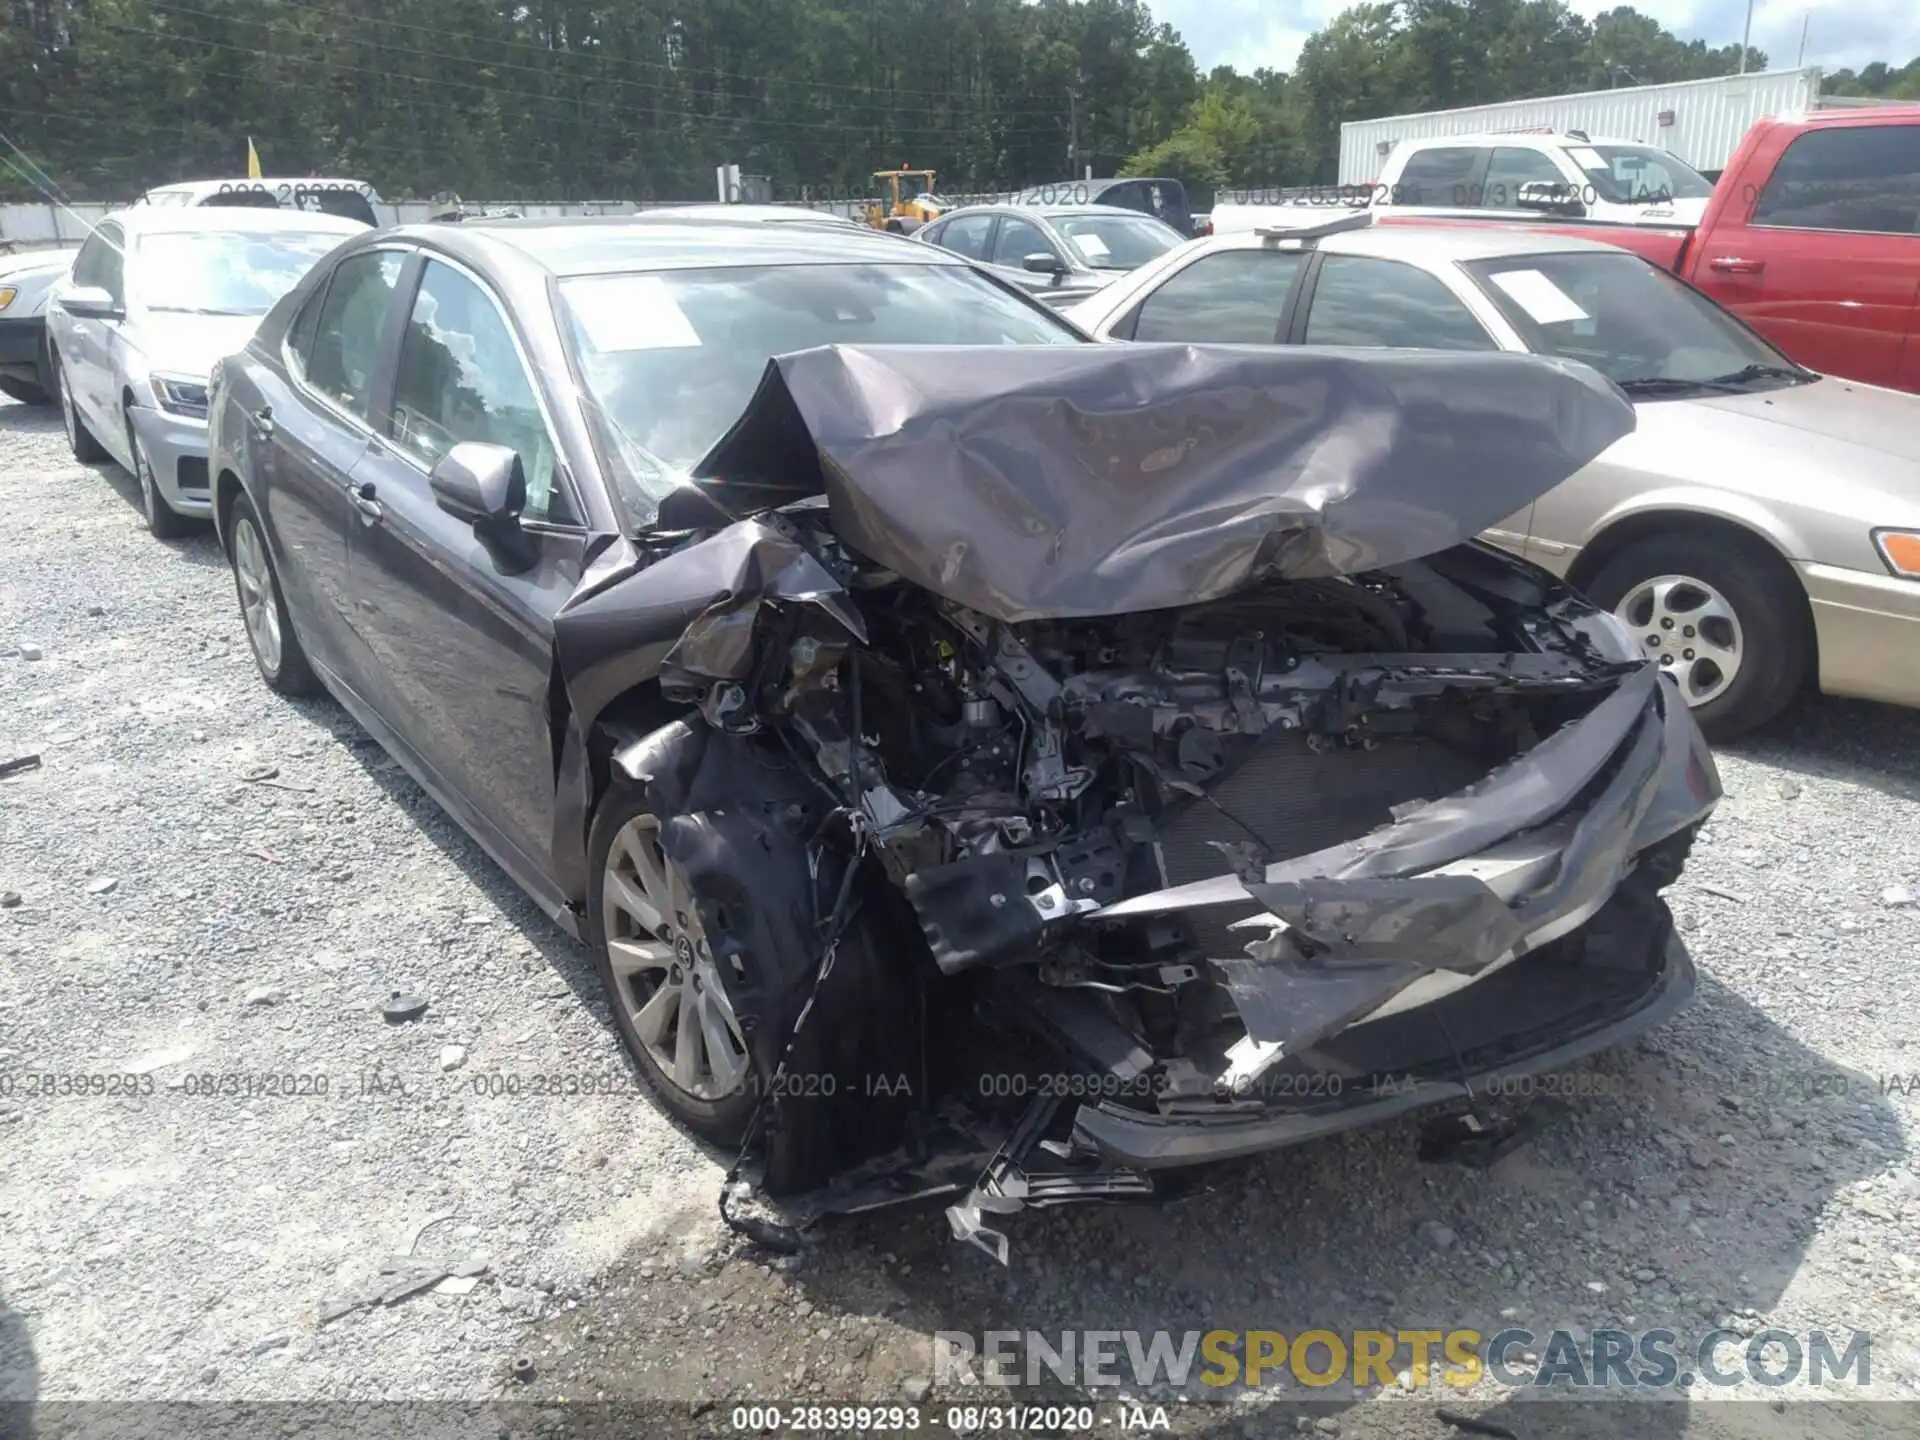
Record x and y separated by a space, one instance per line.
1812 237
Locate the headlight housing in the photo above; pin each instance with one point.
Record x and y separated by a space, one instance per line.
1900 549
181 395
7 292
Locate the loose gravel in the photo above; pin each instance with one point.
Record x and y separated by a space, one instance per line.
213 882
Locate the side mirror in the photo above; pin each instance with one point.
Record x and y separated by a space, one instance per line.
91 302
1549 199
1045 263
480 483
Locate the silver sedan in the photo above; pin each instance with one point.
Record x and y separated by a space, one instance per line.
155 297
1057 253
1759 530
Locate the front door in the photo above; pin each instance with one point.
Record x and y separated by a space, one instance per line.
315 429
1828 268
460 636
87 345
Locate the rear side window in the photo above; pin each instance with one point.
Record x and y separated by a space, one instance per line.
1858 177
1440 176
345 347
1361 301
1233 298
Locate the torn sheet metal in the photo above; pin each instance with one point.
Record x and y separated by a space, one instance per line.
690 616
1102 480
1352 945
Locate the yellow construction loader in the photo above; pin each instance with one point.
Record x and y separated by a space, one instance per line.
906 202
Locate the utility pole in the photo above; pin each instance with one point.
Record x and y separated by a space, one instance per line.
1744 35
1804 23
1073 129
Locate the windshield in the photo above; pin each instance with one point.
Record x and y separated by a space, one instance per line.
1631 321
225 272
1638 174
1116 242
671 358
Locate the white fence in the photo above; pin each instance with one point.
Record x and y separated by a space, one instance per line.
32 227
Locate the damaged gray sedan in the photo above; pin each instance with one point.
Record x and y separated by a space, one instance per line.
982 763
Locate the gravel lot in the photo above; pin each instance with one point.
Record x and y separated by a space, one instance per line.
184 913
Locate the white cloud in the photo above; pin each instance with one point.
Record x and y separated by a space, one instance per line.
1250 33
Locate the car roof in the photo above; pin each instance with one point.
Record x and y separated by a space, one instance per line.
213 219
1442 244
1478 138
1049 212
727 210
604 244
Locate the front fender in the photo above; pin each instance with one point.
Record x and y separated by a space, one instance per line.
1742 510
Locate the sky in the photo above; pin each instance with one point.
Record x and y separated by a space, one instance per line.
1842 33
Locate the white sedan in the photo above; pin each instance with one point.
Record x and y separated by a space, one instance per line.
1761 527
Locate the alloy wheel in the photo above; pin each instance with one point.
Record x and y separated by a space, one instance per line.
143 472
257 605
1689 627
666 976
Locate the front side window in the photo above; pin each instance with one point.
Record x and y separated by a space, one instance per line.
1855 177
1234 297
670 359
461 379
1631 321
1359 300
1017 240
99 263
224 272
346 339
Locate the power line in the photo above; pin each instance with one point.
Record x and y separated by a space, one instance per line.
659 65
840 127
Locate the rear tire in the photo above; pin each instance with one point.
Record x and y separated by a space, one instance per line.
263 609
86 449
1672 589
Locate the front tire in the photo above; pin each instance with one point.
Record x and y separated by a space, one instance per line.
714 865
1722 614
163 521
263 609
86 449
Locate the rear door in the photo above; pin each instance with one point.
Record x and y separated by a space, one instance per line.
461 636
1825 260
318 427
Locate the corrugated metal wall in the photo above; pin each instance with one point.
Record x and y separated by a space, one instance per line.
1709 118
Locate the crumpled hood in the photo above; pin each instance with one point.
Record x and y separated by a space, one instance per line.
1033 482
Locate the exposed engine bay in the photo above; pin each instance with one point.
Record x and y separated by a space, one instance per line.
1186 792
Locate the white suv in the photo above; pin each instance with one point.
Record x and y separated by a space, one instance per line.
1566 173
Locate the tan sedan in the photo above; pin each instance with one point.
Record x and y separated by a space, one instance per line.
1760 529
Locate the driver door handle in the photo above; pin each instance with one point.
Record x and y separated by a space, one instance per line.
262 422
364 502
1734 265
